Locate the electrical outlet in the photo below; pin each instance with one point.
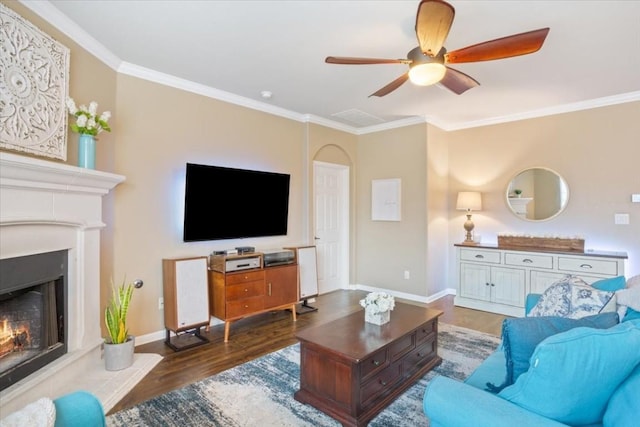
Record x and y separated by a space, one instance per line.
621 219
160 303
407 275
635 198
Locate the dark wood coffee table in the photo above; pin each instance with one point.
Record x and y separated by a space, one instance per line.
351 370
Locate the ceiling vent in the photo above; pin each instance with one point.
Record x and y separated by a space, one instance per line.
358 117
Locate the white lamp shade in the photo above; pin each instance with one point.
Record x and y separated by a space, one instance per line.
469 201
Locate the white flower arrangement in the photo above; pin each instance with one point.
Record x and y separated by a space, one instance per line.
378 302
87 120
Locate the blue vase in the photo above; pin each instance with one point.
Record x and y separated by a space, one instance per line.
87 151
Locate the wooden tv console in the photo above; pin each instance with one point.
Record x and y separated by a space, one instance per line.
234 295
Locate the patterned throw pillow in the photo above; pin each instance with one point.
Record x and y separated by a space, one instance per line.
571 297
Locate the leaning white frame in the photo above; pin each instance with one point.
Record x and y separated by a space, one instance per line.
34 86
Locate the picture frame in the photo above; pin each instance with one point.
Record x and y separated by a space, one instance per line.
386 199
34 87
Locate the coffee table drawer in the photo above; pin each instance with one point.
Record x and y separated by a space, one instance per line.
419 357
374 363
426 332
381 382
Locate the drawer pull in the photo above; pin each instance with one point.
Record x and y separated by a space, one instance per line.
269 288
383 382
376 362
480 256
419 355
527 261
586 266
487 284
246 290
493 285
246 306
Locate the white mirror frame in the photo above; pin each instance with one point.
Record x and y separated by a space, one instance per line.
518 205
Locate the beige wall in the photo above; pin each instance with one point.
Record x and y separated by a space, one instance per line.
596 151
158 129
162 129
387 248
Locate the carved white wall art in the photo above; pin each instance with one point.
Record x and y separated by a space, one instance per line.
34 84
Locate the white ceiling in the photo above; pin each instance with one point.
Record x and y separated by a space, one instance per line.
237 49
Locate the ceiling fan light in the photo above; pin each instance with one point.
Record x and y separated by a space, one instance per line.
427 74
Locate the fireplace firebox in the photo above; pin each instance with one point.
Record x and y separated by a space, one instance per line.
33 309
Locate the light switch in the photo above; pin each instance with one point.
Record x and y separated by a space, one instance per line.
635 198
621 219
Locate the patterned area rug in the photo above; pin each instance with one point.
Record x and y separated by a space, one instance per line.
260 392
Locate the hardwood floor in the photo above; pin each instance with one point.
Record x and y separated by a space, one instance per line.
262 334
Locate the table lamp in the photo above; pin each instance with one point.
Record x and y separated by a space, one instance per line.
469 201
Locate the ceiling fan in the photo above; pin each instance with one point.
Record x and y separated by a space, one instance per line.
428 62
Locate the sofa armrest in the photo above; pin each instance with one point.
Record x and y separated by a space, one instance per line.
530 302
451 403
79 409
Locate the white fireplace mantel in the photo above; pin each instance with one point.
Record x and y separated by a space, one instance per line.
49 206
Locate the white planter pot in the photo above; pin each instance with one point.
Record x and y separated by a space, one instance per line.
119 356
376 318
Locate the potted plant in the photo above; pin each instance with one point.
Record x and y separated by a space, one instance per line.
517 192
119 345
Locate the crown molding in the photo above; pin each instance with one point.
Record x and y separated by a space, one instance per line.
559 109
200 89
50 13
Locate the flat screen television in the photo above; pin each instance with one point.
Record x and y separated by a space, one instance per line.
227 203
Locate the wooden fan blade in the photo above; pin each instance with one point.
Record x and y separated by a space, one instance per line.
433 22
391 86
457 81
361 61
505 47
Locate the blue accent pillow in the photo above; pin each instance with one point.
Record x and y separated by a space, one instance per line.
610 285
574 374
520 336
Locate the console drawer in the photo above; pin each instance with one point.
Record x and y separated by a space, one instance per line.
425 332
244 290
243 277
480 256
241 307
528 260
589 265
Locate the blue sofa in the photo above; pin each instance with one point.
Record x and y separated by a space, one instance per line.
583 376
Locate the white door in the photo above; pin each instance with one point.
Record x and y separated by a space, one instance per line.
331 225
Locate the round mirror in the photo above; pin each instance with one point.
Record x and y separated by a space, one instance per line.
537 194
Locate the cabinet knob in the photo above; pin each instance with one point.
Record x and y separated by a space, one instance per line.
246 290
376 362
493 285
486 284
383 382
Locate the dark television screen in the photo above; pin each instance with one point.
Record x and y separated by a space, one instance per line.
226 203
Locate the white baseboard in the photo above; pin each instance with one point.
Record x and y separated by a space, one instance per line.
404 295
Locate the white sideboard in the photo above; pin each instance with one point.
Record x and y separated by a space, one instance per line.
496 279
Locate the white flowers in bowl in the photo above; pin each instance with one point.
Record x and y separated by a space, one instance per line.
378 302
87 120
